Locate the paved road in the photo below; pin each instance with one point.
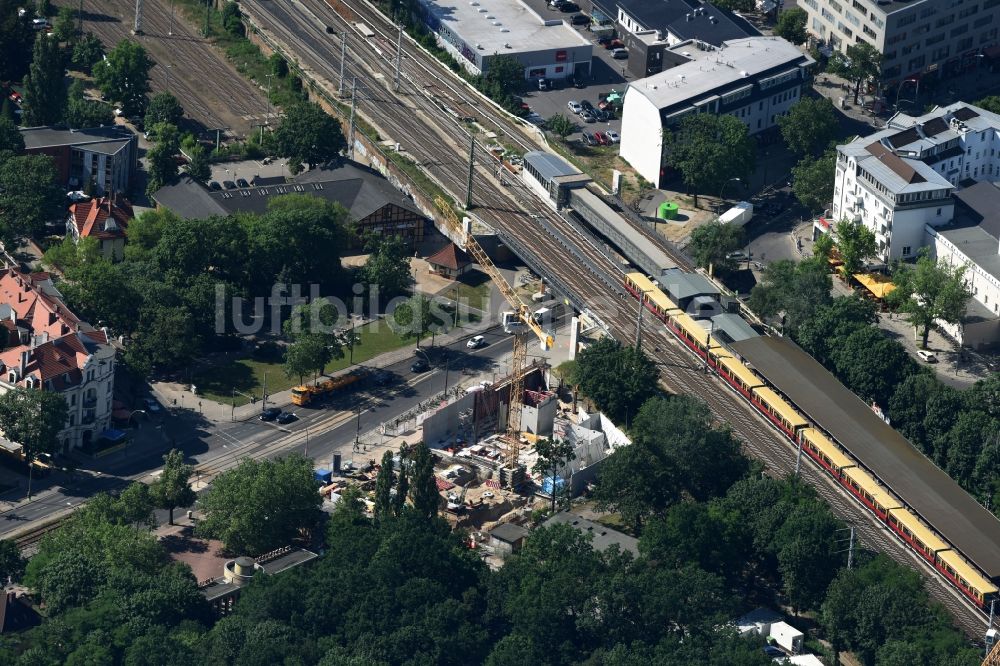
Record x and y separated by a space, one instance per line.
213 448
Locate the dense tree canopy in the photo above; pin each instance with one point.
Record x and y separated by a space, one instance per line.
791 293
124 76
16 37
163 108
308 134
792 25
387 267
812 180
810 125
619 379
708 150
30 195
856 244
45 85
929 291
711 245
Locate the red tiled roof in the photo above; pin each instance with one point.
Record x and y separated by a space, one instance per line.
90 218
450 256
896 163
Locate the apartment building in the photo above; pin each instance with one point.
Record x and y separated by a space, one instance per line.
755 79
105 157
902 178
48 348
916 39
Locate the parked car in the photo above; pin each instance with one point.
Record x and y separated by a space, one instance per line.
619 54
601 139
574 106
580 19
569 7
602 115
152 405
242 182
269 414
587 139
580 83
588 116
286 417
543 84
229 185
214 186
927 356
604 40
419 365
587 105
475 342
613 136
614 44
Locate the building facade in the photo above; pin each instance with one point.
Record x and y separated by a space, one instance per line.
902 179
102 157
49 349
104 221
477 31
916 39
755 79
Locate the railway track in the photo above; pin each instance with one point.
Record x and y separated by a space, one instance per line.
186 63
558 247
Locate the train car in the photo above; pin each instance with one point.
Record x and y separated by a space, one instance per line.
920 537
640 286
778 411
822 450
870 492
962 574
738 375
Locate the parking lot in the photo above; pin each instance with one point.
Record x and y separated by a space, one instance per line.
607 74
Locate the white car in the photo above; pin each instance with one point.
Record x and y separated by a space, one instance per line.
476 342
927 356
613 136
574 106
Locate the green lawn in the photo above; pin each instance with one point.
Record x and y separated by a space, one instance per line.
247 375
474 287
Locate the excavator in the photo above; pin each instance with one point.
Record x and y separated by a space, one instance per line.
519 322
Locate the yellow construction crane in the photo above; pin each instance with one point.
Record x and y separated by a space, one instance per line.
522 313
993 658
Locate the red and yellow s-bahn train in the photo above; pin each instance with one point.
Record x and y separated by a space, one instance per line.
837 461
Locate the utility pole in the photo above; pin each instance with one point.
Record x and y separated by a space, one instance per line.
263 402
850 549
472 167
708 344
267 114
208 15
399 56
798 457
79 20
638 323
137 26
170 30
343 59
350 130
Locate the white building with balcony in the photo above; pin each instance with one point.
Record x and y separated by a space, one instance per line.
902 179
46 347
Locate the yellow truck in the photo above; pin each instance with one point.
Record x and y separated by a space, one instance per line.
304 395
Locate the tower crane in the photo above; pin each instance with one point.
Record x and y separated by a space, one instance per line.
522 314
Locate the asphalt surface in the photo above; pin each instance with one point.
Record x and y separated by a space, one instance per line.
318 432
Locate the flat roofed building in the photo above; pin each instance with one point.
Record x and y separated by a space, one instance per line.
921 38
755 79
901 180
476 31
105 155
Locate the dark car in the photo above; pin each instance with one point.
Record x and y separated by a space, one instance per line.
214 186
587 106
242 182
419 365
614 44
619 54
269 414
588 116
580 19
588 139
286 417
604 40
602 115
229 185
772 651
579 83
569 7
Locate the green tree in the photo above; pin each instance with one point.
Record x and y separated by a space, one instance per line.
308 354
712 244
824 329
553 456
261 505
64 27
308 134
10 138
383 488
503 78
387 267
930 291
423 489
162 166
402 490
279 66
792 25
172 487
991 103
856 244
87 52
16 37
792 292
30 195
82 112
812 180
861 64
45 88
198 166
823 246
810 125
163 108
744 6
560 125
100 289
12 564
32 418
414 317
618 379
870 364
124 76
709 150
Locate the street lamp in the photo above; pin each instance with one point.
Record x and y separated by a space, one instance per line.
722 191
